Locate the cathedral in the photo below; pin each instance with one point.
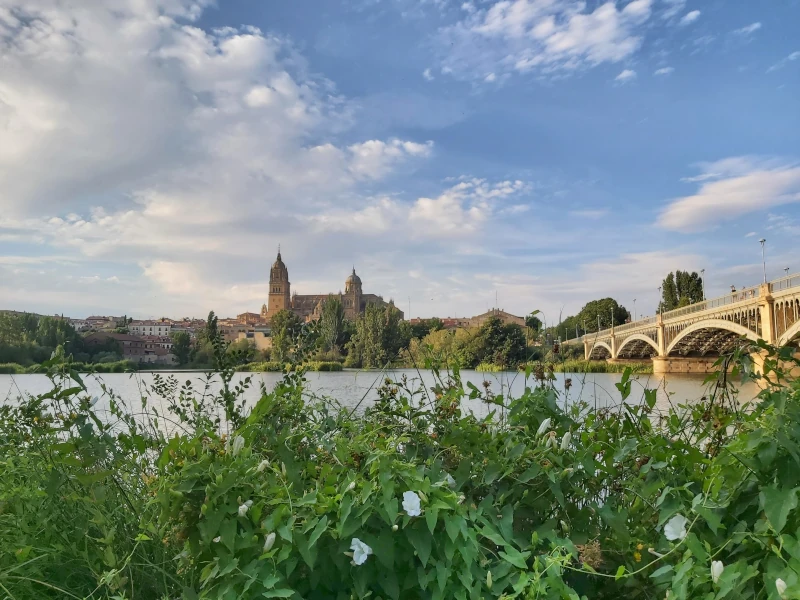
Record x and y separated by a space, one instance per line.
309 307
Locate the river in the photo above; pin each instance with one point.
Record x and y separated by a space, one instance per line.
358 389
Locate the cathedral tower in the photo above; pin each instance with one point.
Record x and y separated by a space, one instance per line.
279 298
352 296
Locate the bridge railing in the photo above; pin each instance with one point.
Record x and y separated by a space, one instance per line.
784 283
618 328
732 298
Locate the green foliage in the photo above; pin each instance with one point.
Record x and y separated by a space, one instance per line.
331 324
181 346
679 289
493 343
27 338
535 500
424 327
602 309
285 327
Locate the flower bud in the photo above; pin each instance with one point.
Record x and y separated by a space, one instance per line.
395 528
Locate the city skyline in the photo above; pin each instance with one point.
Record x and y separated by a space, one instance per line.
543 154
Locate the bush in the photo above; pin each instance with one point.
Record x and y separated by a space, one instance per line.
411 499
11 369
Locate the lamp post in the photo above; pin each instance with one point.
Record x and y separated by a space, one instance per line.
703 282
634 309
612 318
786 271
598 322
762 241
659 300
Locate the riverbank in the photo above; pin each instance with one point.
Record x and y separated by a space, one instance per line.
127 366
573 366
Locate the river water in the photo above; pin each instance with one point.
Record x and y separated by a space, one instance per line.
358 389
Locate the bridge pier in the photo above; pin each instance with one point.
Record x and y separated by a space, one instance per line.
664 365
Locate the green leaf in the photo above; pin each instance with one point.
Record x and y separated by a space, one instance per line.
515 557
620 573
662 571
430 518
452 525
284 593
777 504
318 530
422 544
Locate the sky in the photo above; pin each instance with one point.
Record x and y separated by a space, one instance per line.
524 154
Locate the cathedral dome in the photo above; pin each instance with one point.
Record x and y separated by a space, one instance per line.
353 278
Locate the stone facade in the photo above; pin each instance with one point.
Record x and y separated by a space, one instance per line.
309 306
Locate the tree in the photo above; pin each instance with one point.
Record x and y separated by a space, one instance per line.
396 335
285 327
181 346
211 330
533 322
602 310
366 346
500 344
679 289
425 326
331 324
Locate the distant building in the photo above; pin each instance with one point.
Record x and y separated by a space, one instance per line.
478 320
261 340
250 318
80 324
101 322
157 328
133 347
309 307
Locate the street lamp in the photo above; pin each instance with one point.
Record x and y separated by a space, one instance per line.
612 318
634 309
786 271
763 260
659 300
703 282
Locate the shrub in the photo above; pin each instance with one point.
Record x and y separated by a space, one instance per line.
11 369
411 499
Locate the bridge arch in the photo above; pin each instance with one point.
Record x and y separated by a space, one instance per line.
637 346
791 333
597 351
711 335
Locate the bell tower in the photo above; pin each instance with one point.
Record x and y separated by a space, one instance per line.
279 293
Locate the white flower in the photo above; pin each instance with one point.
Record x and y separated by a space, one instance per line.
780 585
269 542
716 570
217 539
245 507
675 529
262 465
461 498
352 486
238 444
449 480
543 427
360 551
395 528
411 504
565 440
551 440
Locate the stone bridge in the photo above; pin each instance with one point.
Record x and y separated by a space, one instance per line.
690 339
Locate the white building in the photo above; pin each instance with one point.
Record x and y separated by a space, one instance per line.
157 328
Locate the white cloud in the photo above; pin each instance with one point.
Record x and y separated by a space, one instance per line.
490 77
782 63
459 211
625 76
672 8
543 36
750 234
690 17
748 30
664 71
731 188
427 75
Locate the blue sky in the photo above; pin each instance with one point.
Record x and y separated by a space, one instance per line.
545 152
